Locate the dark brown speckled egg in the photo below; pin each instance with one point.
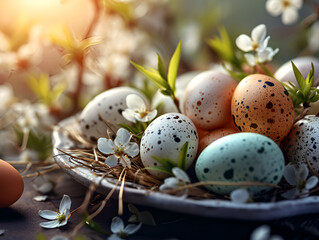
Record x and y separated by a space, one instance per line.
261 104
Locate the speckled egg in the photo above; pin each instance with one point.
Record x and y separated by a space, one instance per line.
302 143
262 105
285 73
213 136
109 106
207 99
164 138
241 157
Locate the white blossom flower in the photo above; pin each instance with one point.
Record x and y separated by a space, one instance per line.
43 185
7 98
2 231
120 149
263 233
257 42
288 9
40 198
313 42
240 195
120 231
263 56
181 179
297 176
137 110
59 218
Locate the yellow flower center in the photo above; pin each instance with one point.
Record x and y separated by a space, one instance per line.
286 3
119 152
301 185
61 217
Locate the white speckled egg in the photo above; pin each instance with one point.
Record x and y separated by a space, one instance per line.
164 138
109 105
285 73
207 99
302 143
241 157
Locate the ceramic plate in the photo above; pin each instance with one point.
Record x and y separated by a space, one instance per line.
205 208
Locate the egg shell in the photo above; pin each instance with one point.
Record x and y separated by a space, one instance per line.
165 137
11 184
302 143
261 104
207 99
241 157
285 73
213 136
107 105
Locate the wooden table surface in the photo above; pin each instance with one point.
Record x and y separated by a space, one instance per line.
21 220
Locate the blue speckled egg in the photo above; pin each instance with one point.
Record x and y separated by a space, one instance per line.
165 137
241 157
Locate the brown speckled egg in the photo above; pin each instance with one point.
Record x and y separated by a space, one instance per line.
261 104
207 99
213 136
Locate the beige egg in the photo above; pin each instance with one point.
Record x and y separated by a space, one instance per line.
262 105
207 99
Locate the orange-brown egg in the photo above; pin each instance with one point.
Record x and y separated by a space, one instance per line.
11 184
261 104
213 136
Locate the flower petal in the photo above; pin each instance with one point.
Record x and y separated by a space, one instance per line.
290 194
148 117
129 115
111 161
261 233
65 204
274 7
240 195
311 182
181 175
132 228
244 43
258 34
303 172
289 16
114 237
251 59
123 137
105 146
135 102
48 214
132 149
51 224
291 175
125 161
117 225
297 3
169 183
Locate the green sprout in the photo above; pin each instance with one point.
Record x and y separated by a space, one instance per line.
168 164
165 81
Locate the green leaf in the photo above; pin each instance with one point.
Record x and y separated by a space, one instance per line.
309 81
173 67
153 75
159 168
182 157
41 236
300 79
132 208
161 67
166 162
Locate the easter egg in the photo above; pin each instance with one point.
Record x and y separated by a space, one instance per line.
213 136
262 105
241 157
285 73
105 112
11 184
207 99
165 137
302 143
